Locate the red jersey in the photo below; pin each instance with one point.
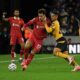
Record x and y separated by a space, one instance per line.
16 24
39 29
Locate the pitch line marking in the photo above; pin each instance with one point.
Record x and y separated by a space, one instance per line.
33 59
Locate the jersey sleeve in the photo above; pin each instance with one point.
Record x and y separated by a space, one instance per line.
30 22
48 29
53 25
9 19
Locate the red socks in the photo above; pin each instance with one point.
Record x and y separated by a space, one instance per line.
29 59
21 53
12 53
26 53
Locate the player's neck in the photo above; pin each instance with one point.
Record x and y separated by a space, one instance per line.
16 17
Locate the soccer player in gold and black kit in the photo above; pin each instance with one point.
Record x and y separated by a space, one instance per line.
60 49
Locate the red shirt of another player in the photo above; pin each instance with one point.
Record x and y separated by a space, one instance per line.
16 24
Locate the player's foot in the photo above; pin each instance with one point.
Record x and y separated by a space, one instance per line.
70 59
20 59
77 68
14 54
24 66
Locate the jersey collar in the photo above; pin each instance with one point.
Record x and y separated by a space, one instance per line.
16 17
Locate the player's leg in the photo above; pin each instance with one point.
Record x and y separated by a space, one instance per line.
32 53
29 59
12 52
21 42
58 52
13 43
74 63
28 45
36 48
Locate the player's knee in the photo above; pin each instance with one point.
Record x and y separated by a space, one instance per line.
28 44
55 51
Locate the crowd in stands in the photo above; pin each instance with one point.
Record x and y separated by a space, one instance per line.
69 15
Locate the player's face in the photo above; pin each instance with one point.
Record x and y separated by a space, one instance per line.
16 13
41 16
53 17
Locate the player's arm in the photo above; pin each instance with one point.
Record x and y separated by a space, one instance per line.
22 25
30 22
26 26
49 29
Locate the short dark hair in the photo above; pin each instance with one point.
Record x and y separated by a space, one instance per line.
55 12
42 11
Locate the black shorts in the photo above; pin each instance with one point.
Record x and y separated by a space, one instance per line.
62 44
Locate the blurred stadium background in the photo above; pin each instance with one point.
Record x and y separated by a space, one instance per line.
69 17
43 67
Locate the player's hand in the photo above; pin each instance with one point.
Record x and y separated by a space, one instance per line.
4 14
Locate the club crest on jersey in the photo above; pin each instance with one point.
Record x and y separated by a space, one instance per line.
39 27
15 24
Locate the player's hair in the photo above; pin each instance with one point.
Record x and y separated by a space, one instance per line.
55 12
42 11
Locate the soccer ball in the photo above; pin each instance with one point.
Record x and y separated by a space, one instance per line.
12 67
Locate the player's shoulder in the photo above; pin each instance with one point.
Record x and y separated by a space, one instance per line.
34 19
56 22
10 18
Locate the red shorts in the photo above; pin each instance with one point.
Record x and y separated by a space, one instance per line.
16 39
36 43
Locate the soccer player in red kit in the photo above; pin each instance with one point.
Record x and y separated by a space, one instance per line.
37 36
15 33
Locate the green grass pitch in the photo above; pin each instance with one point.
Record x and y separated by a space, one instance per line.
43 67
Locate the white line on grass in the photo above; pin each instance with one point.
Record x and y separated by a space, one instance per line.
7 61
